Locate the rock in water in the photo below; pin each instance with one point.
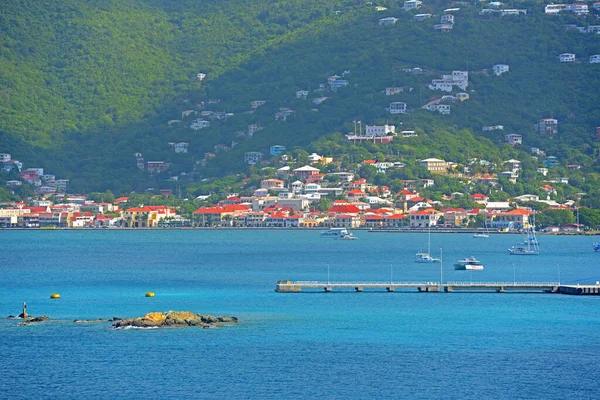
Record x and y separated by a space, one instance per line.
173 319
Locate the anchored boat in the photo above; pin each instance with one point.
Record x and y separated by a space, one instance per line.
469 264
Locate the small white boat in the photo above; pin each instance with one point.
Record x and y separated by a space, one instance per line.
426 258
480 235
524 251
337 233
469 264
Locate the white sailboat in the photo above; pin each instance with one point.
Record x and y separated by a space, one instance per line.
426 257
484 234
531 246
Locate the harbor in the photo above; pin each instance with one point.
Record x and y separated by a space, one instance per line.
448 287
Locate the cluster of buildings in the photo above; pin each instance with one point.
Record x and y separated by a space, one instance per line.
43 183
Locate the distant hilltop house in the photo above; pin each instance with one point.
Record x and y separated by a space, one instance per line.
200 77
513 139
595 59
388 21
252 157
411 5
547 126
397 108
390 91
566 58
443 27
500 69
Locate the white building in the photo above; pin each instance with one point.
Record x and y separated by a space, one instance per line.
252 157
181 147
547 126
459 79
577 8
421 17
595 59
5 157
388 21
380 130
393 90
397 108
499 69
554 8
492 128
441 108
513 139
411 5
302 94
199 124
566 57
447 19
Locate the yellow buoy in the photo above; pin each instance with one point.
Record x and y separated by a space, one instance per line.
149 294
55 295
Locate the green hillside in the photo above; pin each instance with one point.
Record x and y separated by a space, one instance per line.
84 85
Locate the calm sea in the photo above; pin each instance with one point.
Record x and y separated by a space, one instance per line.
306 345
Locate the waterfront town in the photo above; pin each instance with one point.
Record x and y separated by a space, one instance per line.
294 199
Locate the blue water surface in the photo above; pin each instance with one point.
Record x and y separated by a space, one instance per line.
305 345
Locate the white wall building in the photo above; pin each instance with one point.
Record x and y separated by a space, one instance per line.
499 69
397 108
380 130
566 57
252 157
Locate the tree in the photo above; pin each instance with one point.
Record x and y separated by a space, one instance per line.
589 217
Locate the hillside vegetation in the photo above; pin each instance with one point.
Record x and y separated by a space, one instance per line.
84 85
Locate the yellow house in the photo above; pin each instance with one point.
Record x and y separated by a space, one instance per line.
434 165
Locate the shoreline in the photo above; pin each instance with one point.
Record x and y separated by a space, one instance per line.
370 230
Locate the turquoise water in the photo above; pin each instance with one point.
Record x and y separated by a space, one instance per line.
336 345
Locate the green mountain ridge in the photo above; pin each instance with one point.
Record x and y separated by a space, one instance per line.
87 84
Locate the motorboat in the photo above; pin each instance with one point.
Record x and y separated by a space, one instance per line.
337 233
468 264
348 237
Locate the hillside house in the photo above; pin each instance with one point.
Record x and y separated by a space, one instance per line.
393 90
252 157
462 96
492 128
319 100
441 108
157 166
421 17
302 94
397 107
276 150
447 19
595 59
551 161
271 184
253 128
566 58
306 171
479 198
181 147
506 12
434 165
408 134
577 8
443 27
5 157
554 8
411 5
547 126
379 130
500 69
459 79
257 103
387 21
513 139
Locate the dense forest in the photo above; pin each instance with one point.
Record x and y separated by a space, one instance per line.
85 85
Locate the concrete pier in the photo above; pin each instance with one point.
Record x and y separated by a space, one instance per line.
447 287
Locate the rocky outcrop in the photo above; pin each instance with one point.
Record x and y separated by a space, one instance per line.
174 319
33 320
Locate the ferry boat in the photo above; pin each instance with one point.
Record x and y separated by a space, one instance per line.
469 264
337 233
